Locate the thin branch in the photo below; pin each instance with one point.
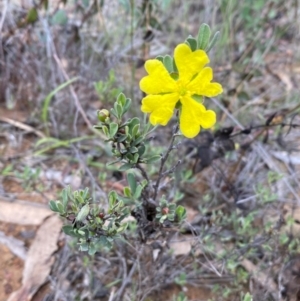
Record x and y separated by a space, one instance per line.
4 12
261 126
127 279
164 160
143 172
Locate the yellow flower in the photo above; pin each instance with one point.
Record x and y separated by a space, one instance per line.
164 92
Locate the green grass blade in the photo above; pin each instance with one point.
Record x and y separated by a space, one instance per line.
48 100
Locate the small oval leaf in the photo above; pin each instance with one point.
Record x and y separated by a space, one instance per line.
83 213
203 36
113 129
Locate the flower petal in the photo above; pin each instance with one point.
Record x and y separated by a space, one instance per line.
189 62
159 80
202 85
193 115
160 107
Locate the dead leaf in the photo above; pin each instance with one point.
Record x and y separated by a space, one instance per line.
23 213
39 259
182 244
260 277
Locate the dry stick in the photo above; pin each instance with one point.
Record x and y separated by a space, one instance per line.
22 126
77 102
163 161
4 12
127 279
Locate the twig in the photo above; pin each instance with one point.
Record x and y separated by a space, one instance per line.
264 126
22 126
112 294
127 279
144 174
77 102
4 12
171 170
163 161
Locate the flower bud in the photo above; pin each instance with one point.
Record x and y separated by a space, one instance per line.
103 115
165 210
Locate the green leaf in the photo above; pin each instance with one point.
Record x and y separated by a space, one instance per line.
131 181
92 248
135 130
180 212
213 41
83 213
168 63
113 129
84 246
69 230
105 131
192 43
53 207
32 15
138 192
127 105
125 166
133 149
127 191
85 193
171 217
118 109
136 157
198 98
248 297
132 123
60 207
104 242
121 99
7 170
203 36
138 140
141 149
152 159
113 111
121 138
60 18
65 197
162 219
112 199
160 58
122 228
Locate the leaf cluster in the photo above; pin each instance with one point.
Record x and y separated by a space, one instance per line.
128 138
90 224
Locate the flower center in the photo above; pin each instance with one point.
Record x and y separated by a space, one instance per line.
182 90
